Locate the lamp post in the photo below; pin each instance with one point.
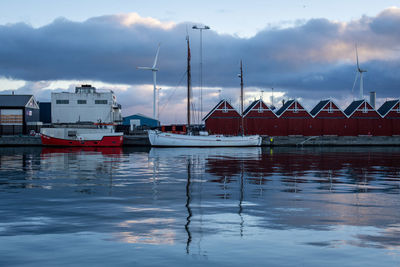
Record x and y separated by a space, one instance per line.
195 27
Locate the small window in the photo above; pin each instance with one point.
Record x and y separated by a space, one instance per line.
398 109
330 109
101 102
81 101
61 101
365 109
225 109
260 109
295 110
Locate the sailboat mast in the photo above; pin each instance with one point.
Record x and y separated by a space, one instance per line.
241 97
188 84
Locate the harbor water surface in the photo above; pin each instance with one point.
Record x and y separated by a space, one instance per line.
197 207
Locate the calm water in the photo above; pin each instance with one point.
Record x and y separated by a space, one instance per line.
195 207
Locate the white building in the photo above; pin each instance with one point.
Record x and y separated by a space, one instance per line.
85 105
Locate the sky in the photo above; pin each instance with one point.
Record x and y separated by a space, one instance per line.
302 49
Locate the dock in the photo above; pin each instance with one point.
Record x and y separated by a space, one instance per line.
273 141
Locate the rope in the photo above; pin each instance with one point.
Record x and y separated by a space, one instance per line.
173 92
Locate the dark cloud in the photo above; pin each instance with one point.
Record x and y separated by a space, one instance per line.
314 59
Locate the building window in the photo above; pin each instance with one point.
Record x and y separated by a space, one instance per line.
61 101
330 109
101 102
260 109
295 110
398 109
365 109
225 109
81 101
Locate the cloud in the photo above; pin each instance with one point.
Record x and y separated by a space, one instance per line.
312 59
134 19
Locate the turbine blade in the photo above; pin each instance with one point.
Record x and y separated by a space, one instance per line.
144 68
155 60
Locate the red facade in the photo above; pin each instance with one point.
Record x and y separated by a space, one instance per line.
296 119
223 119
259 119
365 120
359 118
392 117
331 119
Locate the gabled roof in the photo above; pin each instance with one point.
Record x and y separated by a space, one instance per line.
217 105
14 100
211 111
353 107
251 106
387 106
141 115
284 107
318 107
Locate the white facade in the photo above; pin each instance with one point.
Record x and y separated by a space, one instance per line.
85 105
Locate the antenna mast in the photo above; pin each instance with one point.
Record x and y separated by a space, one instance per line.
241 96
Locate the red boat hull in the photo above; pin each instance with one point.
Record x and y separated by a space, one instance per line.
106 141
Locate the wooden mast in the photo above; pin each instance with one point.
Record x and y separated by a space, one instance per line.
241 97
188 84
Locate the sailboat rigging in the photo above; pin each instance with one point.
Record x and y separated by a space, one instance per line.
163 139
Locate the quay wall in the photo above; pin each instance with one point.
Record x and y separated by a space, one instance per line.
331 141
23 140
142 140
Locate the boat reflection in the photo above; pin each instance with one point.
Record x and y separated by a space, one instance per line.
194 198
63 150
310 189
189 211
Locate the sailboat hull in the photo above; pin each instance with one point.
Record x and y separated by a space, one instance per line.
162 139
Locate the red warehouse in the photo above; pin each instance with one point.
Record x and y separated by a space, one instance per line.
330 119
296 120
390 111
326 118
363 119
260 119
223 119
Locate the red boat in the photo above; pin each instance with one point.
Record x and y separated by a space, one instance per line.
82 137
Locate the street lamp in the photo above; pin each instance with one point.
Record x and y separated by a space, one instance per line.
195 27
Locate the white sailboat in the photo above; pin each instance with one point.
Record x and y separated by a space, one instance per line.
162 139
158 138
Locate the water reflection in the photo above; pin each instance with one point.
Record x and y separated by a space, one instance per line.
199 202
189 239
331 187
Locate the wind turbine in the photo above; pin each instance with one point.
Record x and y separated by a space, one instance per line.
154 69
361 71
